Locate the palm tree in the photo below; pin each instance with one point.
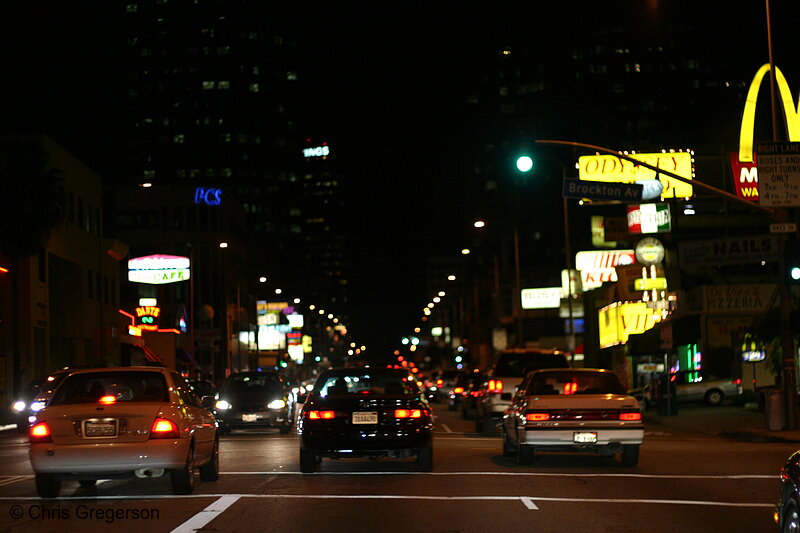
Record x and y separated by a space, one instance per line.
32 206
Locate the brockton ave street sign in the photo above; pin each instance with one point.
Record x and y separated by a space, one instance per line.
601 190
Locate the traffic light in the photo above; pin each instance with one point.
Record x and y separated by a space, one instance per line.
792 255
524 163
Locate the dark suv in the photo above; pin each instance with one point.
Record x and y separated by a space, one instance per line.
509 367
253 400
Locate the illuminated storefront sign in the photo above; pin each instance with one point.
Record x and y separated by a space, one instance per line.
649 218
147 317
317 151
621 320
650 251
743 164
158 269
597 267
545 298
203 195
612 168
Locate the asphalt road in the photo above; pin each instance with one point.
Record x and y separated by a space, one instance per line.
683 483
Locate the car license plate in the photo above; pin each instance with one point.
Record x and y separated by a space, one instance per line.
365 417
584 437
249 417
100 428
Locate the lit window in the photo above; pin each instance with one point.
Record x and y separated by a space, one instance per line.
132 8
223 50
224 85
179 138
148 174
254 87
208 85
291 76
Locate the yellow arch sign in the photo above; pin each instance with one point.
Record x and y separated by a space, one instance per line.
791 112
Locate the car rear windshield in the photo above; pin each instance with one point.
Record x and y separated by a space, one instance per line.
252 385
518 364
112 387
365 384
554 383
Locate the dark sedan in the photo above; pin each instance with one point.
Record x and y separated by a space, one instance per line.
787 514
365 412
249 400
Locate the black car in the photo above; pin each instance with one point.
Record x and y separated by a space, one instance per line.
787 513
365 412
35 397
250 400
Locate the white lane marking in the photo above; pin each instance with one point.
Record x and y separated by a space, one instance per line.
231 498
13 479
208 514
447 428
524 474
528 502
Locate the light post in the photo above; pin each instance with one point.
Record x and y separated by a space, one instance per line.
516 301
525 164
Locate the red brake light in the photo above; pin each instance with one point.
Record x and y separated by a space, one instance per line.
164 429
407 413
630 416
40 433
321 415
107 399
570 388
537 417
439 382
495 385
458 390
737 381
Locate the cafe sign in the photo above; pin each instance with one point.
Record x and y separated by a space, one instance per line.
158 269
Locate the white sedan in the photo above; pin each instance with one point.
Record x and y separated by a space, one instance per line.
107 423
577 410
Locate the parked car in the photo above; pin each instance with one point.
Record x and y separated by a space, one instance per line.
257 399
574 410
35 397
123 422
787 511
509 367
365 412
699 386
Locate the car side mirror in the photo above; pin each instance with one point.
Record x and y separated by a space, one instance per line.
207 402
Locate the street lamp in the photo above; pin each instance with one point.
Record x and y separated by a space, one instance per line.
517 300
525 164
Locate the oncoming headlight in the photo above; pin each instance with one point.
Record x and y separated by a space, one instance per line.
276 404
222 404
37 406
18 406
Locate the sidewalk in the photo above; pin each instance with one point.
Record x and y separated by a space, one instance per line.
729 421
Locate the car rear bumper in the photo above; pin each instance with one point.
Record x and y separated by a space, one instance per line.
365 441
566 436
259 419
99 458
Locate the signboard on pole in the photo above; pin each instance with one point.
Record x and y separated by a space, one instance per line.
600 190
779 174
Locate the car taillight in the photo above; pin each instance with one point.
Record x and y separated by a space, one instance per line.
408 413
737 381
40 433
164 428
495 385
458 390
570 388
321 415
537 417
439 382
630 417
107 399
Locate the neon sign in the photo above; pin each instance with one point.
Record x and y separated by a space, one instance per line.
317 151
610 168
147 317
203 195
743 164
158 269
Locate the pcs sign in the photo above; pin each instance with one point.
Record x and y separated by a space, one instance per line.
207 196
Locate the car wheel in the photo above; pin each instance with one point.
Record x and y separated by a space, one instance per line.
509 448
488 427
47 486
714 397
524 454
182 479
425 459
308 463
791 520
478 425
87 482
285 429
210 470
630 454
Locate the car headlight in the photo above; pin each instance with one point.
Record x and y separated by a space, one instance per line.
222 405
37 406
18 406
276 404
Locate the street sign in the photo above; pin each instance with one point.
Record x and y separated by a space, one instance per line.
779 174
601 190
783 227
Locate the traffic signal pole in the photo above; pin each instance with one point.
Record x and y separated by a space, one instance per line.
785 305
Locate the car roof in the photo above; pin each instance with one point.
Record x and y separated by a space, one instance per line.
118 369
363 369
573 370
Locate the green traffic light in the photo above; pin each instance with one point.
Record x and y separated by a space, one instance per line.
795 273
524 163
